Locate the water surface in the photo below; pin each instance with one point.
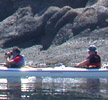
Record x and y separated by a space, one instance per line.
53 88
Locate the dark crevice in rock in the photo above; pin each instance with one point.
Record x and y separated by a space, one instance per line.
91 2
7 7
22 41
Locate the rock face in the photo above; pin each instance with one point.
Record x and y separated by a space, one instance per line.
51 25
35 21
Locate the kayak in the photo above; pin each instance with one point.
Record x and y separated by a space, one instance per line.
54 72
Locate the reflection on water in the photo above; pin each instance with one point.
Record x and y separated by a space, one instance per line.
47 88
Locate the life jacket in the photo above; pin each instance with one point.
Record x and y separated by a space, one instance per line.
21 63
94 61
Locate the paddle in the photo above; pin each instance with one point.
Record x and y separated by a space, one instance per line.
4 64
42 65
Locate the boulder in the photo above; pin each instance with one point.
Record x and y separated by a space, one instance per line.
102 13
50 30
87 19
63 35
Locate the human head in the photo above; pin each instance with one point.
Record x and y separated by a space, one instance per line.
16 50
92 49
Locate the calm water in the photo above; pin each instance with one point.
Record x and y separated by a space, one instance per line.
47 88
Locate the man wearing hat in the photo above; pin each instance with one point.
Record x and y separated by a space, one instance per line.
93 60
14 59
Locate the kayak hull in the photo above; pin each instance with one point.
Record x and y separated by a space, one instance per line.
55 72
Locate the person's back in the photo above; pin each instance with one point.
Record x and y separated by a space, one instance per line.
19 61
22 62
94 61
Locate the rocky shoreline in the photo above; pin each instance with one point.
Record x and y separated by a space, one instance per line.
71 52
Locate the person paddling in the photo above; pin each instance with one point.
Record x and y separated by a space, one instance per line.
14 59
93 60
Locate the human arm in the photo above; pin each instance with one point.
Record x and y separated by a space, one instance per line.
9 61
83 63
